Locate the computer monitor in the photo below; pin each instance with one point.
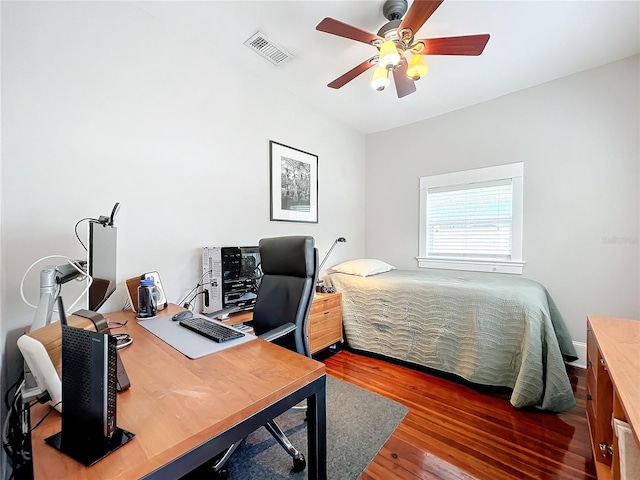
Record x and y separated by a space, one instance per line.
102 256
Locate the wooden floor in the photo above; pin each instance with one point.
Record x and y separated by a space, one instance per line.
453 431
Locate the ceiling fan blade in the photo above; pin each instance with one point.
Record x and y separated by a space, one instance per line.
351 74
418 13
336 27
404 85
464 45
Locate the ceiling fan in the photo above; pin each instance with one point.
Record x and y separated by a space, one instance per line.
395 39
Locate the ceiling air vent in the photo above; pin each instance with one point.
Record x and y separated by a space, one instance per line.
266 48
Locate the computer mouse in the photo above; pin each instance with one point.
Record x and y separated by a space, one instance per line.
182 315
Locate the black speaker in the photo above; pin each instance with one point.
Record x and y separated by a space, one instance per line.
89 378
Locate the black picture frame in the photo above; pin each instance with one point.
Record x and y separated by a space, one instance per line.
293 179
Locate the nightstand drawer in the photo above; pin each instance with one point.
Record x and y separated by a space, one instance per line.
325 301
320 321
324 329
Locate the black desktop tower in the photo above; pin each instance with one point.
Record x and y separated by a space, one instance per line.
89 379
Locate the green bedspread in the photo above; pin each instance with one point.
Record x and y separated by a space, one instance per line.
489 329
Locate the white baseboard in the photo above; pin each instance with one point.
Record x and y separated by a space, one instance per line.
581 350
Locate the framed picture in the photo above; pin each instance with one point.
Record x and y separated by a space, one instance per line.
294 184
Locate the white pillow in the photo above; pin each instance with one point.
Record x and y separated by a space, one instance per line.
363 267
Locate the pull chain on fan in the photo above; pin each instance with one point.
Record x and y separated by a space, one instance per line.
395 40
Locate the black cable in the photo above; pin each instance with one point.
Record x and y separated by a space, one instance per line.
198 285
187 298
6 395
186 301
45 416
187 304
258 269
111 323
123 339
13 439
76 229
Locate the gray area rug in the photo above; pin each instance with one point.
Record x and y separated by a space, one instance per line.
359 422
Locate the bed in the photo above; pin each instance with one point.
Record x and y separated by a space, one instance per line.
490 329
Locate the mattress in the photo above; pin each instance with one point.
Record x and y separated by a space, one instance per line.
490 329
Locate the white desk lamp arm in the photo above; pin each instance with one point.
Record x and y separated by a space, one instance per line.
336 241
327 255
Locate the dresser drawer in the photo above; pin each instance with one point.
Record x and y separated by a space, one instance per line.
592 350
592 398
591 417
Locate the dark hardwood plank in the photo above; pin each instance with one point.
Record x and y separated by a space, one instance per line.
455 431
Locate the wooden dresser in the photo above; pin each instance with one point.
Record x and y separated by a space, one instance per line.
324 327
613 387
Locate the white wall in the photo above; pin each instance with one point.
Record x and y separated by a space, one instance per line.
101 104
579 140
3 372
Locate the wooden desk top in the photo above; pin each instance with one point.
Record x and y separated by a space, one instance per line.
619 342
174 403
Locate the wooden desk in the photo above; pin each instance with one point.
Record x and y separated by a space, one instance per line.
613 386
185 411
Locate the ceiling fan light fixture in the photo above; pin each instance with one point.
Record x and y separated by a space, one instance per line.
395 39
417 68
380 79
389 56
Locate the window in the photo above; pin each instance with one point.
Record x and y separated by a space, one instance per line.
472 220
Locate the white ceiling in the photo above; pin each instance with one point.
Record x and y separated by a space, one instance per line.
532 42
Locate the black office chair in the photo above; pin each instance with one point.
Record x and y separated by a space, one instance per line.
289 266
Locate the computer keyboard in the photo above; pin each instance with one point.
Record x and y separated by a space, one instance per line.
214 331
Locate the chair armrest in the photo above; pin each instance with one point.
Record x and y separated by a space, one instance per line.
276 333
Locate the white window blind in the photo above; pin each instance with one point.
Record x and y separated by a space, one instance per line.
470 220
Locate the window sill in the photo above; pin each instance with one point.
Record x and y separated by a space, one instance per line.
493 266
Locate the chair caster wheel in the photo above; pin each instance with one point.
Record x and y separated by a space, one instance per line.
299 463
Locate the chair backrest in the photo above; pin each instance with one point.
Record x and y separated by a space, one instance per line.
289 266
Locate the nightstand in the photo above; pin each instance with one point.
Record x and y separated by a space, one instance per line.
324 327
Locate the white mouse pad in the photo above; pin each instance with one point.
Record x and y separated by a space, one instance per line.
189 343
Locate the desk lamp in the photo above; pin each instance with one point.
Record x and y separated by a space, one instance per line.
335 242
